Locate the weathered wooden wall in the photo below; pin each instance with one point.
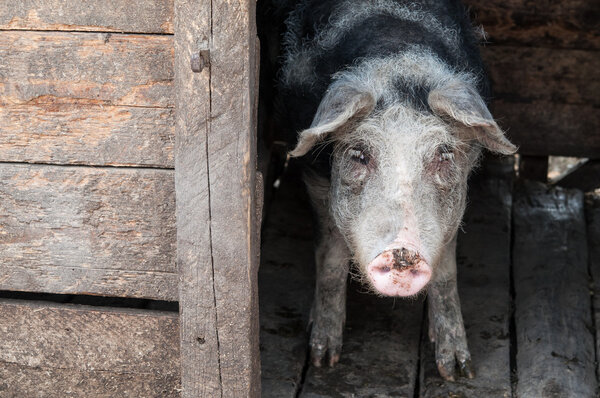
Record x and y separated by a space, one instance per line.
76 100
87 197
545 70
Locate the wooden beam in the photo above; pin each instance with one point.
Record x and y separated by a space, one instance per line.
555 346
483 255
107 231
231 153
141 16
585 176
546 23
200 355
51 349
217 231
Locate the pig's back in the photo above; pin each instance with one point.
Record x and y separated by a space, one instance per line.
326 36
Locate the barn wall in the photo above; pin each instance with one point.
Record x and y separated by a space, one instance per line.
87 197
545 70
86 151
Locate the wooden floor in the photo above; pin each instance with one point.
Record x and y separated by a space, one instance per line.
525 258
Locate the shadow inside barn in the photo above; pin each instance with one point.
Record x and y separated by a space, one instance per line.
524 288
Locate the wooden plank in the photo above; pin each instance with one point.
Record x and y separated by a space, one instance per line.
483 255
286 281
66 229
50 350
533 168
542 128
547 23
525 74
584 176
142 16
98 68
592 213
200 356
99 135
86 98
380 356
232 168
555 346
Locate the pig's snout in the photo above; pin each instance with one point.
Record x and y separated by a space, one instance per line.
399 272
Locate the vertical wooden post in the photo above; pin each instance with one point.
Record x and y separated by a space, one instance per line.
217 233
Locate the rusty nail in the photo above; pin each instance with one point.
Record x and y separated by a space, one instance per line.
200 60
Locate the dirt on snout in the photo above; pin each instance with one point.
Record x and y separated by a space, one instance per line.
404 258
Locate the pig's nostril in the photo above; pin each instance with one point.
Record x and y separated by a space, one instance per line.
385 269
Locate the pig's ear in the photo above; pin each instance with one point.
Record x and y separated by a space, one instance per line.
462 103
339 106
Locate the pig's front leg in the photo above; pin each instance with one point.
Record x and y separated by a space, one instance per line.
446 327
328 313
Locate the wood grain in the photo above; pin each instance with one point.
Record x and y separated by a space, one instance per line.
546 23
543 128
49 350
87 230
592 215
99 68
525 74
555 355
231 149
483 255
86 98
87 134
200 355
141 16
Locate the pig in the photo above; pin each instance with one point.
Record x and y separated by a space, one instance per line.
385 104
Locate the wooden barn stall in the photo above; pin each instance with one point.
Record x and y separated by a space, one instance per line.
128 189
109 110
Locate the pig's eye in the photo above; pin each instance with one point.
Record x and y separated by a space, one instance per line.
359 156
445 154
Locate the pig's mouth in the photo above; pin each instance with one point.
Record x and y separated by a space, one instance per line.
399 272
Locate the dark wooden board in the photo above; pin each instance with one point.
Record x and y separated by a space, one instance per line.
533 168
542 128
483 255
584 176
141 16
107 231
555 345
546 98
86 98
380 356
561 76
546 23
286 282
50 350
592 213
200 356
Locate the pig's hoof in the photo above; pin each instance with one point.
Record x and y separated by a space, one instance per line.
448 361
324 347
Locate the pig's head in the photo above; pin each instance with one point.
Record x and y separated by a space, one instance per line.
399 173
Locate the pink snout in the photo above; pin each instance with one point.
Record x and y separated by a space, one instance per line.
399 272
